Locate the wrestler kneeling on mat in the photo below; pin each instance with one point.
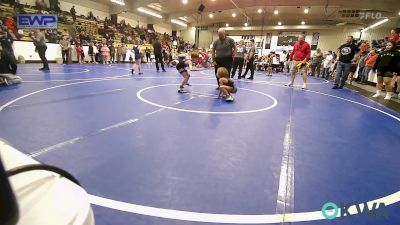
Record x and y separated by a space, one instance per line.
182 66
226 85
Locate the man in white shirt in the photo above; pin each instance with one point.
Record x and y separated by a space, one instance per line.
327 64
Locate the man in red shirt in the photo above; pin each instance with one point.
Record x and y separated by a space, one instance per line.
299 57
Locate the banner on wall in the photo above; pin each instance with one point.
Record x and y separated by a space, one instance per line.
268 39
37 21
288 38
314 41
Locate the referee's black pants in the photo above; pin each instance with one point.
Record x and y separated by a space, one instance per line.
223 62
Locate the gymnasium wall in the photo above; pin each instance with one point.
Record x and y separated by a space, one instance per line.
133 19
330 39
82 7
163 28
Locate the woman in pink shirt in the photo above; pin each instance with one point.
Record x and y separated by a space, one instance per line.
105 54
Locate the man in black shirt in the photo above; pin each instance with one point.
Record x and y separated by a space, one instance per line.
346 53
6 42
158 54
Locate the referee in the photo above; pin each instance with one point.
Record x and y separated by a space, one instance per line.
223 50
39 40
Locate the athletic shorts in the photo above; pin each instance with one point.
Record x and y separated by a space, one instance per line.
295 69
181 67
234 89
384 74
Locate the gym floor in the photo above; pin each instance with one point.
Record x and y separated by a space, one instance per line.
149 155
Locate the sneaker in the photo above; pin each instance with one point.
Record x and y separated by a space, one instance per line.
289 84
182 91
132 71
158 71
239 77
217 88
140 73
376 95
388 96
250 78
335 87
304 86
229 98
244 77
188 84
164 71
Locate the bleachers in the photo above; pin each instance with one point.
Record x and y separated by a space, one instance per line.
67 26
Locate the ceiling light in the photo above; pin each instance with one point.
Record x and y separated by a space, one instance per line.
276 12
246 24
306 10
179 22
227 25
259 11
183 18
279 23
302 22
119 2
399 13
375 24
149 12
233 14
184 1
193 28
211 15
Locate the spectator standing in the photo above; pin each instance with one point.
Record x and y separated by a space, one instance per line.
238 59
316 62
105 54
299 57
91 53
387 65
346 53
327 65
147 51
250 60
65 47
39 41
119 53
370 61
124 49
73 13
112 52
394 35
158 54
7 41
79 53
